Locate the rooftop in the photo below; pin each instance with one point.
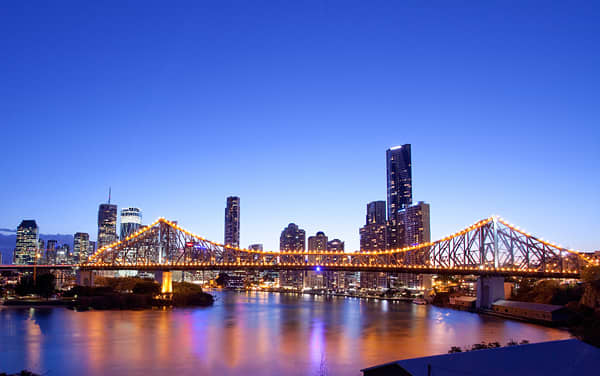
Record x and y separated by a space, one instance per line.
526 305
566 357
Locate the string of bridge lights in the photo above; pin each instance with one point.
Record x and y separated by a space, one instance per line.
472 227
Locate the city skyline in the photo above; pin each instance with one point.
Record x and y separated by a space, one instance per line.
309 142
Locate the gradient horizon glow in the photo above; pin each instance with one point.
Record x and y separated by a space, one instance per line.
292 105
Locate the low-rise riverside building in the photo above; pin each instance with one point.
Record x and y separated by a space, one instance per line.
531 311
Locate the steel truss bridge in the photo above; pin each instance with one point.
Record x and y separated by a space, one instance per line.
490 247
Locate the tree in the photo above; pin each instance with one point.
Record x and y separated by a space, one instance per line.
146 288
25 285
590 274
45 285
222 280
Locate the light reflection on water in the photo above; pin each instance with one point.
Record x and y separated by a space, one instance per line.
244 333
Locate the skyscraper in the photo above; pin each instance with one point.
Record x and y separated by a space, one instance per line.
107 223
373 238
131 221
415 229
372 235
51 251
232 221
292 238
27 243
81 246
336 280
316 243
399 190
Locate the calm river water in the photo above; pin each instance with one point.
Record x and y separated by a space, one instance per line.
244 334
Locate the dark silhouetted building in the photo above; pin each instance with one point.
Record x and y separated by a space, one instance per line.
131 221
232 221
399 190
27 243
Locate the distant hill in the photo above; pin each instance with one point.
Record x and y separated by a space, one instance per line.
8 240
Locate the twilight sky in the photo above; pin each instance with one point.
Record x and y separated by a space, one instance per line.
292 104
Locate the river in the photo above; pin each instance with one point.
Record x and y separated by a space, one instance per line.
251 333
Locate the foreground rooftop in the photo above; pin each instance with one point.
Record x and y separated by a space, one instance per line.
565 357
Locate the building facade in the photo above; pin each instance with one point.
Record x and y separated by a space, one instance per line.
373 238
292 239
107 224
317 243
81 246
414 225
232 221
373 234
51 251
399 190
27 243
131 221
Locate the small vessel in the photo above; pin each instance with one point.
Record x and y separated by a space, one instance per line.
419 301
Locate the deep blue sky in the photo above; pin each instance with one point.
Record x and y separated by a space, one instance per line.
292 104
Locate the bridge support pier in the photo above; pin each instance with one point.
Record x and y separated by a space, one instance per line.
489 289
165 280
84 278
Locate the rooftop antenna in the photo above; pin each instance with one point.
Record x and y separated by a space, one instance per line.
109 195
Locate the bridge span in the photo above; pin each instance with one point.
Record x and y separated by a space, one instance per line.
491 249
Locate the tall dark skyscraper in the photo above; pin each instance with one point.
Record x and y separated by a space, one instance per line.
399 190
107 223
292 238
232 221
27 243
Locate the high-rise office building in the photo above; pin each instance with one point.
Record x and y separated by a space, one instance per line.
373 238
292 239
399 190
27 243
376 212
372 235
81 246
232 221
414 228
335 245
107 223
316 243
63 255
131 221
92 247
335 280
42 259
51 251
